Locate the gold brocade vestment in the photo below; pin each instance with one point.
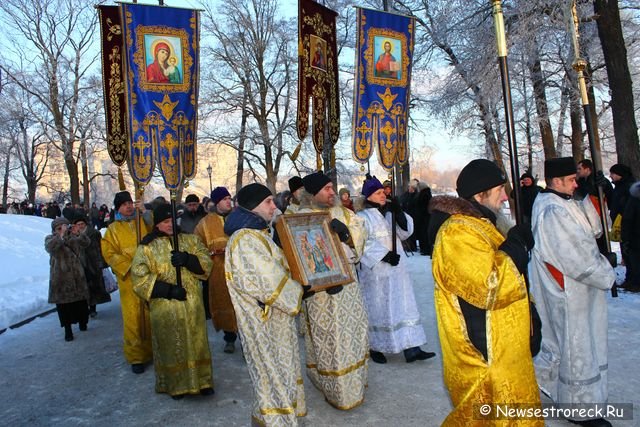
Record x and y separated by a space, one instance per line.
336 338
181 356
118 248
210 230
257 270
467 264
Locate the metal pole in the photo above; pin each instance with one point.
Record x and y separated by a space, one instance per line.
174 225
579 64
508 107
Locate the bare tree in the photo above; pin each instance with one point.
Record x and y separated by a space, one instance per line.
51 41
252 75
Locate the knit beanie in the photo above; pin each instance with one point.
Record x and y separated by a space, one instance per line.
120 198
192 198
370 186
477 176
218 194
160 213
315 182
295 183
620 169
252 195
559 167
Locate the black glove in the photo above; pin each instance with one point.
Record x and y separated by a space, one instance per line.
522 234
334 290
185 259
612 258
600 179
168 291
260 304
306 291
394 206
517 245
276 238
391 258
340 229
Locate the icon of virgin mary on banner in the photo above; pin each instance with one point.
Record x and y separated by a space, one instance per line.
161 69
383 77
318 72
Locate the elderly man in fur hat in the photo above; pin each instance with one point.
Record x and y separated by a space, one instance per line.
118 248
570 279
481 297
211 231
267 300
336 341
181 356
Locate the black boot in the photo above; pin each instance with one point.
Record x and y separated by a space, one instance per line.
83 326
207 391
137 368
415 353
377 357
598 422
68 334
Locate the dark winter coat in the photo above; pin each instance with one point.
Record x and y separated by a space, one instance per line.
189 220
93 264
617 199
67 282
631 219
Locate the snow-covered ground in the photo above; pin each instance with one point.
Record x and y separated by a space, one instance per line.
47 381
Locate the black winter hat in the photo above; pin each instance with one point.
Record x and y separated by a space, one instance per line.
252 195
192 198
314 182
478 176
77 216
559 167
120 198
620 169
295 183
160 213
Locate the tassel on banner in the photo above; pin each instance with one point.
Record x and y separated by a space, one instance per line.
121 184
296 152
318 161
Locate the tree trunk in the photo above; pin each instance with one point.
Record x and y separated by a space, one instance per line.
243 135
85 175
620 85
539 94
5 179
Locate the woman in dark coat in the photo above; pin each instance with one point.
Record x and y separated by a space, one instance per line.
93 263
67 283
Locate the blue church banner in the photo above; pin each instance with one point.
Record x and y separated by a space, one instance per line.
161 79
384 52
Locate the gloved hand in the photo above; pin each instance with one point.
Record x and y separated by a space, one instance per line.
340 229
178 293
306 291
334 290
179 259
185 259
168 291
612 258
394 206
260 304
391 258
522 233
517 245
600 179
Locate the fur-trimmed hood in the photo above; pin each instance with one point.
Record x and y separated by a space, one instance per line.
307 201
452 205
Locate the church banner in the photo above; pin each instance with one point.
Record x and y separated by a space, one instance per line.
113 83
162 72
384 52
317 72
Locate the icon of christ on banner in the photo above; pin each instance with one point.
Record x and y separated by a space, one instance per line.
387 65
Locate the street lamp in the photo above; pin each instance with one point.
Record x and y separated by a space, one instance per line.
209 170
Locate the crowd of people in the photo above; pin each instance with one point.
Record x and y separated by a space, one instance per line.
516 314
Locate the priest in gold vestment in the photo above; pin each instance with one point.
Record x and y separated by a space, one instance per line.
181 356
210 230
266 301
338 349
118 248
481 300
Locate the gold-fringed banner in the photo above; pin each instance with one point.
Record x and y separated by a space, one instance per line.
318 72
161 64
384 53
113 83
